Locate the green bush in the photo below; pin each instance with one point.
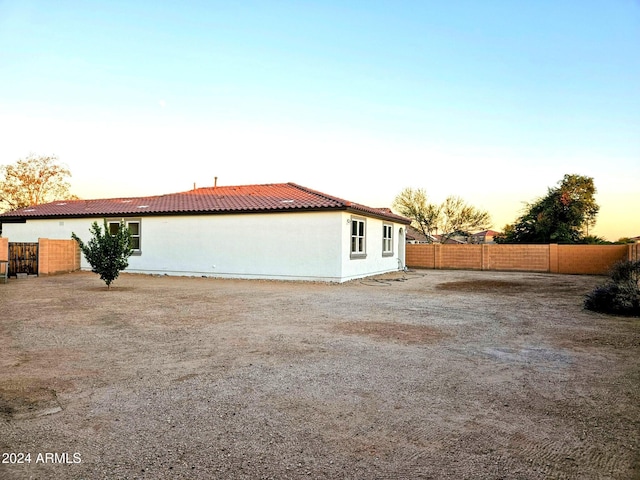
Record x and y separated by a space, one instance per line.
107 253
620 295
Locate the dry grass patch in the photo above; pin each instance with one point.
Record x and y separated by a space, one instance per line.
397 332
29 397
484 286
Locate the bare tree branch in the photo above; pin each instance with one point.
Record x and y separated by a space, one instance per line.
452 217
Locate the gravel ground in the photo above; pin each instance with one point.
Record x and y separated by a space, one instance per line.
430 374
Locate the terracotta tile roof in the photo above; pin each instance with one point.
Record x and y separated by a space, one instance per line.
416 235
485 233
277 197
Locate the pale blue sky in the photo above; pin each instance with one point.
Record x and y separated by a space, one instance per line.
493 101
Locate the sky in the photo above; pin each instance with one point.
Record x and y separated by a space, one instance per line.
493 101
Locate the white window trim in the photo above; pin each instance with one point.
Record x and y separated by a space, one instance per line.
387 227
127 221
363 252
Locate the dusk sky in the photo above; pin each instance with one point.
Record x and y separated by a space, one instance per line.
493 101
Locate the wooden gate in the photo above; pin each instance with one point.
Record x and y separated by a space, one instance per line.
23 258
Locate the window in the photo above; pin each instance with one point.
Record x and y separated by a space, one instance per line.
387 240
134 230
358 243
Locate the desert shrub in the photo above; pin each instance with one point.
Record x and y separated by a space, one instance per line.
620 295
626 272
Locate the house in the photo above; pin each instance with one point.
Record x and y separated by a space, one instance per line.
455 240
274 231
414 235
486 236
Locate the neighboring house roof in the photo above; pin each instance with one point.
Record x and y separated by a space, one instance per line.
413 234
449 240
485 233
277 197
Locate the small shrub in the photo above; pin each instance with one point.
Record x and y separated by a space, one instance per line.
626 272
107 253
620 295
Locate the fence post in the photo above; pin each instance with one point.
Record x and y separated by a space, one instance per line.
554 260
43 256
78 260
4 248
437 256
485 257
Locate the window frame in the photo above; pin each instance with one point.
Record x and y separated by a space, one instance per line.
127 221
387 240
355 239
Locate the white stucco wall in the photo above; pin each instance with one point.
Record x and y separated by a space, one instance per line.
287 246
374 262
54 229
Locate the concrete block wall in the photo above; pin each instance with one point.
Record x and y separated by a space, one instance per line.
589 259
4 255
57 256
532 258
420 255
465 257
570 259
4 248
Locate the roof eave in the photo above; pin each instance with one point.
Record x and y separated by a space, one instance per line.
380 216
24 218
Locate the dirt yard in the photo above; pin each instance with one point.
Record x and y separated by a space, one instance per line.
432 374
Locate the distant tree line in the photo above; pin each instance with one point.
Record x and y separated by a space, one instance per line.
450 218
564 215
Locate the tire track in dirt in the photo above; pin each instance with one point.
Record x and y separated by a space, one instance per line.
564 456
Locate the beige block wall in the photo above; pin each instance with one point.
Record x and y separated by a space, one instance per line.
4 248
589 259
420 255
4 255
57 256
531 258
570 259
465 257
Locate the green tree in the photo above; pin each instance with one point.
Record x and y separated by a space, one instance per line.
564 215
625 240
33 180
594 240
108 253
452 217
